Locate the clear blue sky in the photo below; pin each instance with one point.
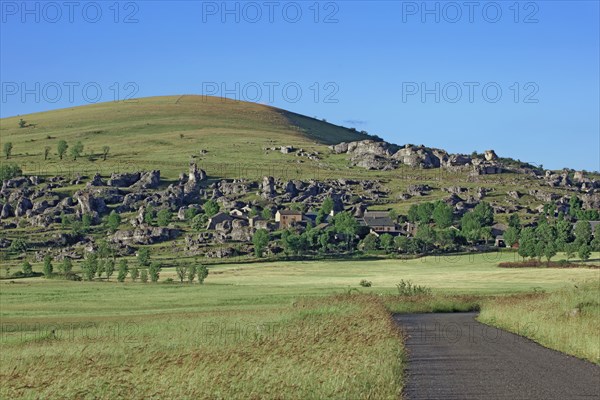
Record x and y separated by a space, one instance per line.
370 61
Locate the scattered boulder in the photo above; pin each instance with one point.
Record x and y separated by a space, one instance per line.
124 180
490 155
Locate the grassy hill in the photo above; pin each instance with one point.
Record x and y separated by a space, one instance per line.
164 132
228 139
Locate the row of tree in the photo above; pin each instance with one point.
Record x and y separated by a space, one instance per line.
76 150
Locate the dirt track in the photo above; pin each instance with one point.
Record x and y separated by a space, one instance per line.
452 356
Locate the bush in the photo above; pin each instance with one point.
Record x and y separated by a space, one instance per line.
9 171
365 283
407 288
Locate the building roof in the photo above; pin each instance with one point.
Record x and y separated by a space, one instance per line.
289 212
378 221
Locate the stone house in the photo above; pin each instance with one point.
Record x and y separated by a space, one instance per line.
287 218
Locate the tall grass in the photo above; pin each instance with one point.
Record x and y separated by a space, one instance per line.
195 343
567 320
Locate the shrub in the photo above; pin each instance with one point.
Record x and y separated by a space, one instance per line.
19 245
9 171
407 288
365 283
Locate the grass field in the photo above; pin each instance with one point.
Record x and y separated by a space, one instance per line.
272 330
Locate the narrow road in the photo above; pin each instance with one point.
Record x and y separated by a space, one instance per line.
452 356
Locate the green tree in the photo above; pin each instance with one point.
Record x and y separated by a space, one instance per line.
123 270
76 150
154 271
585 252
527 243
143 257
511 236
105 150
260 239
109 268
202 273
211 207
46 152
61 148
370 242
345 224
27 268
191 273
134 273
190 213
163 218
144 276
564 234
90 266
514 221
485 213
149 215
48 268
182 272
596 241
425 212
413 213
66 266
402 243
471 227
583 233
387 242
442 215
114 221
327 205
7 149
570 250
267 214
18 246
9 171
549 251
199 222
86 222
574 205
426 234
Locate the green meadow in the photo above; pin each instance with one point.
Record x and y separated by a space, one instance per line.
279 330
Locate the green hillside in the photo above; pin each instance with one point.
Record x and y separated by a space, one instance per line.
164 132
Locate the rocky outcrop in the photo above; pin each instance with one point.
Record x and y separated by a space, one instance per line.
23 205
490 155
414 156
192 187
144 235
124 180
268 187
88 204
148 180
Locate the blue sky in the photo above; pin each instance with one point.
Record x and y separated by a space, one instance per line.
523 80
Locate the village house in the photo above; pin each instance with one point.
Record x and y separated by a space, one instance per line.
378 222
288 218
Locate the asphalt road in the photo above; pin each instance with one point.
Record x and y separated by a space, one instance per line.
452 356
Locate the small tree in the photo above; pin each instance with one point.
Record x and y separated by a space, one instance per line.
154 271
134 273
211 207
163 218
66 266
387 242
327 205
48 268
266 214
370 242
7 149
190 213
46 152
105 150
27 268
144 276
199 222
22 123
113 221
585 252
123 270
149 215
61 148
76 150
182 271
143 257
550 251
202 273
90 266
260 239
191 273
109 268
